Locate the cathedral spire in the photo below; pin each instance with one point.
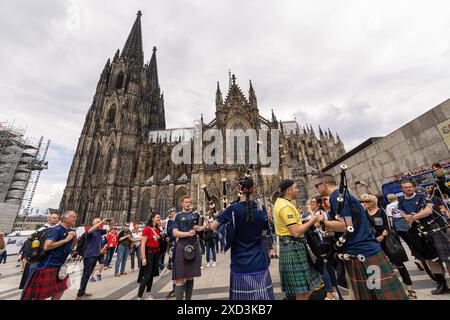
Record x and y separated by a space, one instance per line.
320 131
252 95
274 119
153 69
116 56
330 134
219 99
133 47
105 72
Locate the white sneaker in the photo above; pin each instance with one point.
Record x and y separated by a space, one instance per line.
208 265
214 264
335 295
202 267
149 297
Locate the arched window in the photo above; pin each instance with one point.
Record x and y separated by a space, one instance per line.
145 207
119 81
163 204
109 157
95 162
111 116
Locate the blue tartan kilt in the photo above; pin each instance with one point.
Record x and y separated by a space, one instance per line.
251 286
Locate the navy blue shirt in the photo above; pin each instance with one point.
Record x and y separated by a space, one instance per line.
248 253
414 205
94 243
56 257
184 222
362 240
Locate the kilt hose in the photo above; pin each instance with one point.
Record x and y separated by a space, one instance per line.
44 284
389 286
297 274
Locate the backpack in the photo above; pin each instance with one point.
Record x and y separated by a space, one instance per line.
82 244
36 251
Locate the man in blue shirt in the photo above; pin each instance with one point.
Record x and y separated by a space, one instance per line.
417 209
185 228
45 281
361 245
91 255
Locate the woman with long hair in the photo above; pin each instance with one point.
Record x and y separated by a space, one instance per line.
249 277
150 251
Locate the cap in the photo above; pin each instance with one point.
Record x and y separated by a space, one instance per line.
285 184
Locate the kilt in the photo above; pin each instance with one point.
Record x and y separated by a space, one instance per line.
441 243
390 287
296 272
44 284
251 286
182 268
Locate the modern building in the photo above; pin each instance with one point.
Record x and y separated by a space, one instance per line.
416 145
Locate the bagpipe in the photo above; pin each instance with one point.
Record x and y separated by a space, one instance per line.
224 193
419 234
335 250
212 207
439 222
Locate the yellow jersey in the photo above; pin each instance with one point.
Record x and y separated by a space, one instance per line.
285 215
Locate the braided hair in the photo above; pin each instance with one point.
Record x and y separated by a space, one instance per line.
246 187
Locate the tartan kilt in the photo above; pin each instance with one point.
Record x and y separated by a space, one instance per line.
251 286
297 274
441 243
182 268
44 284
390 287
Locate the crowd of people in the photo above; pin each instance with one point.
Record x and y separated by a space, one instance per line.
329 245
411 173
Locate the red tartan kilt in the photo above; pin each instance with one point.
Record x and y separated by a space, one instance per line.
44 284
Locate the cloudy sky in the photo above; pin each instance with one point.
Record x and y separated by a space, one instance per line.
361 68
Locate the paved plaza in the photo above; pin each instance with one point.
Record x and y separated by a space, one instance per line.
212 285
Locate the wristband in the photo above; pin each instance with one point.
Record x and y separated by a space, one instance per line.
322 224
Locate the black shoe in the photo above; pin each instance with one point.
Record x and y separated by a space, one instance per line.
171 294
442 288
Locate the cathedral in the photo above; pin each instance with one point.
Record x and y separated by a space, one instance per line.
122 167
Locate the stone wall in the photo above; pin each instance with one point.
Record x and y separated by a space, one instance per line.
417 144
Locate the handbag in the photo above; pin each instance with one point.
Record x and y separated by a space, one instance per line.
394 248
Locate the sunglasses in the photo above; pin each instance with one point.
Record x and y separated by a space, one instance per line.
365 201
319 184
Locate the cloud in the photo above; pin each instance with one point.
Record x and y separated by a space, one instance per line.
360 68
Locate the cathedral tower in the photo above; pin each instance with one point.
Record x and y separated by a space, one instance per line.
127 104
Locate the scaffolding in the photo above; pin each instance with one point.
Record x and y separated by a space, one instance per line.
21 161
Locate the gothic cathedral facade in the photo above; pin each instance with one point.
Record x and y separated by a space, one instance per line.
122 167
